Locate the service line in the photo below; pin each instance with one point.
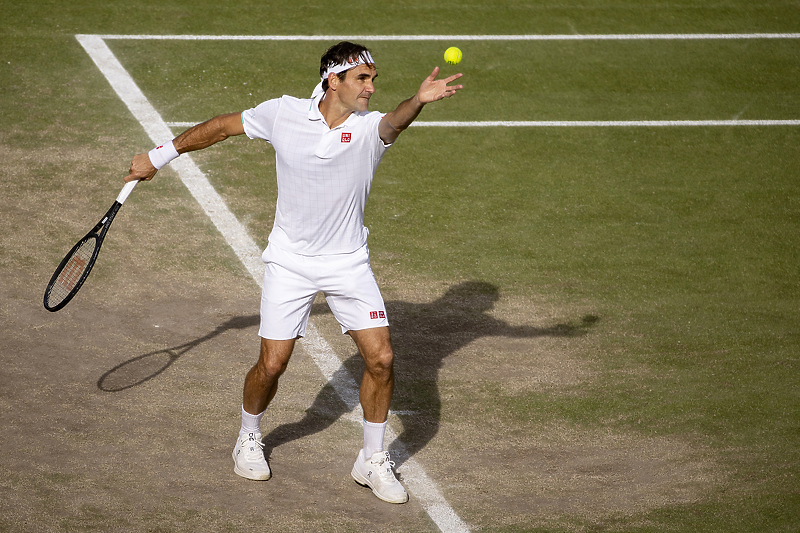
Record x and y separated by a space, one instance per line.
576 123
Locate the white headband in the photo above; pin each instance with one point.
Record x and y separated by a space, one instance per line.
363 58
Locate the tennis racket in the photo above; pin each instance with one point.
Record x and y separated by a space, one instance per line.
76 265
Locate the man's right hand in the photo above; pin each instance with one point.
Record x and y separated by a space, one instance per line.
141 168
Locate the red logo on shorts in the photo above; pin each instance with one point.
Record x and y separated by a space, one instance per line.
346 137
375 315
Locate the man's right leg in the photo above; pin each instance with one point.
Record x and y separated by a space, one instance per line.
261 382
260 386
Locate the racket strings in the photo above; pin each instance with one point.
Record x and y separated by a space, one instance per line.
69 276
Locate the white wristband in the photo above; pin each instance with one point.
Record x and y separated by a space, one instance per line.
161 155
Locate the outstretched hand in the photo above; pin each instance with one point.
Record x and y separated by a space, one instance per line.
432 89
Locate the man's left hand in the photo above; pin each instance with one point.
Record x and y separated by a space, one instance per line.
432 89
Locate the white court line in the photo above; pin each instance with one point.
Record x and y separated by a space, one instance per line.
566 37
606 123
235 234
576 123
511 123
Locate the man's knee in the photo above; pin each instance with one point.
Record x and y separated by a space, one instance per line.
274 357
375 346
382 360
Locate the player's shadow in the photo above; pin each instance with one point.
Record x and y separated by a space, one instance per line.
145 367
423 336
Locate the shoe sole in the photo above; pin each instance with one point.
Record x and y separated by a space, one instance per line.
358 478
249 475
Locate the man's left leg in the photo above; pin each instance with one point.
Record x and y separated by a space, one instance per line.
373 466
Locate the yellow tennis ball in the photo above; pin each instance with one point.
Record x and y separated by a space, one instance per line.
452 55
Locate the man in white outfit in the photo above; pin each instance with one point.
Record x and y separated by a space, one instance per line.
327 150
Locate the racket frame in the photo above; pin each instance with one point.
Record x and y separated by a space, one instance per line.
98 233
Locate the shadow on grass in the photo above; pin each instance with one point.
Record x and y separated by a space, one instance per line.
145 367
423 336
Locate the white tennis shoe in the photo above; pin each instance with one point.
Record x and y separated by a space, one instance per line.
248 457
377 474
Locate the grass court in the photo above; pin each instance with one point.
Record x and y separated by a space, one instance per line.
595 325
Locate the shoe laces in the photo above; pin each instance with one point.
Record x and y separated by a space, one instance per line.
251 453
386 473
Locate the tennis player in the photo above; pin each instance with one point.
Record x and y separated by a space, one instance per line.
327 150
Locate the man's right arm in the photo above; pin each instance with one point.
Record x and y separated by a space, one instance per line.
195 138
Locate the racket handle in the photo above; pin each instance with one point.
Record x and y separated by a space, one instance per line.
126 190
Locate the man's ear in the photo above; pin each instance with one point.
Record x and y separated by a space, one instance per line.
333 81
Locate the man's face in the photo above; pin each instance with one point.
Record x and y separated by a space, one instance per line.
354 92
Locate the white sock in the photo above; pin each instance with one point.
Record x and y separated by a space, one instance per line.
250 423
373 439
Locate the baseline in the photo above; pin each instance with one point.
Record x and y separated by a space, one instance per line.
554 37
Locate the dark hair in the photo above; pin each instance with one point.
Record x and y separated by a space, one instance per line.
337 54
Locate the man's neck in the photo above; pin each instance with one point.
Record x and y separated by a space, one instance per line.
334 113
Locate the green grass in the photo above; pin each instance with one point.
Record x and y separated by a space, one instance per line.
684 242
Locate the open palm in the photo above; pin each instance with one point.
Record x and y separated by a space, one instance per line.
432 89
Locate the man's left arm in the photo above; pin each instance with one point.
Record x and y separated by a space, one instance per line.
431 90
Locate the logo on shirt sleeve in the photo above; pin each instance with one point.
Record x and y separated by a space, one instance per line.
346 137
374 315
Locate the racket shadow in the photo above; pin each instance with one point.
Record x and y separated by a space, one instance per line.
143 368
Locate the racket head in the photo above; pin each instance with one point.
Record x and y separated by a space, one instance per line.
72 272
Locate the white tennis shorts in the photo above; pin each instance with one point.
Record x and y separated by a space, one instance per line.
291 281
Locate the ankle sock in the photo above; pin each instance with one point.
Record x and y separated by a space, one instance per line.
373 439
250 423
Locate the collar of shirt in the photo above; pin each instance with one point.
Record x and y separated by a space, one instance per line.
313 109
329 143
315 114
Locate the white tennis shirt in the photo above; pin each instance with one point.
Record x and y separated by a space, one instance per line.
324 175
